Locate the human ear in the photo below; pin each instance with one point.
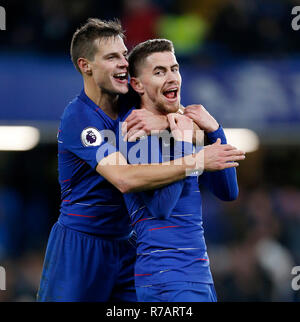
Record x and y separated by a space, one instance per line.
84 66
137 85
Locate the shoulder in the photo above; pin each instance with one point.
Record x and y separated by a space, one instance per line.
78 116
75 110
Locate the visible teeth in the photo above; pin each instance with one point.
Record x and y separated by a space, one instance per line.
121 75
171 90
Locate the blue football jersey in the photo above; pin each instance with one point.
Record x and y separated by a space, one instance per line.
168 221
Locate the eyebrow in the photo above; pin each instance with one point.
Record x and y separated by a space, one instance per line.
125 53
164 68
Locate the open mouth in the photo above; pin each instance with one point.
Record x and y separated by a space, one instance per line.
121 77
171 94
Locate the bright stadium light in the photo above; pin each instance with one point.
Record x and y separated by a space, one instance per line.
18 138
243 139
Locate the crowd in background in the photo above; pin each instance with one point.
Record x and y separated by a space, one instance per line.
253 242
206 28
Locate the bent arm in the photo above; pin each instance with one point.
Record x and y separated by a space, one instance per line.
223 184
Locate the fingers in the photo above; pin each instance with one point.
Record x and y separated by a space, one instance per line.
137 135
218 142
124 128
191 115
228 165
131 117
234 152
134 134
127 133
194 107
235 158
195 111
189 112
131 123
171 119
181 122
128 125
231 153
136 117
136 114
228 147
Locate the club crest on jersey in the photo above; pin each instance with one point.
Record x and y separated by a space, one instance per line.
90 136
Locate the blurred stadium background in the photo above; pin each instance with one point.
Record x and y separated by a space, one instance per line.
239 58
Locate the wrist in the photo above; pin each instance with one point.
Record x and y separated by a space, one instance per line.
212 128
194 163
213 136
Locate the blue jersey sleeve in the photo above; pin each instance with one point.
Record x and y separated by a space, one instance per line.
161 202
85 136
223 184
213 136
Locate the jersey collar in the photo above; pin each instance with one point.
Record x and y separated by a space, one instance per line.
88 101
93 105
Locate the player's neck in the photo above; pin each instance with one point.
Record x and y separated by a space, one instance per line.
149 106
106 101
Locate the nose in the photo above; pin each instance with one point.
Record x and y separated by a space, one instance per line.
172 77
123 62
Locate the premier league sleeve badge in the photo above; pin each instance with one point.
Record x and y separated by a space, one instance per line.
91 136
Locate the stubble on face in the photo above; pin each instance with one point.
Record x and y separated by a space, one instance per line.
161 82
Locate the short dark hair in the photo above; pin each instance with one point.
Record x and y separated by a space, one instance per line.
140 52
83 45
